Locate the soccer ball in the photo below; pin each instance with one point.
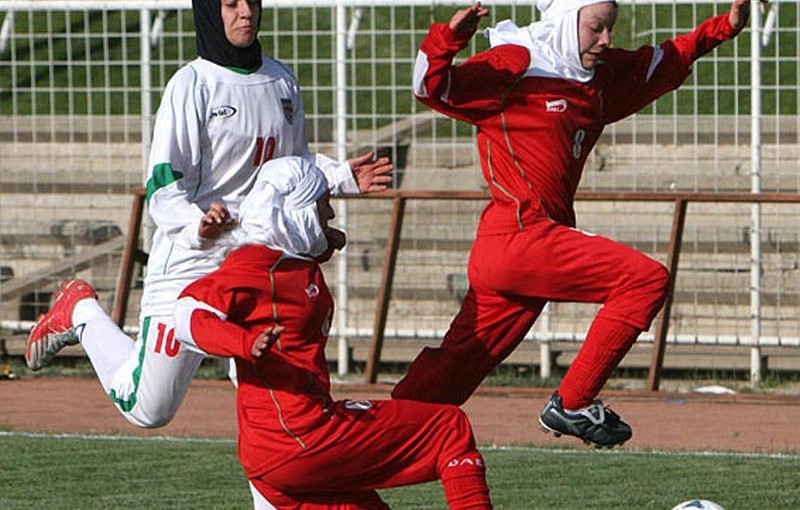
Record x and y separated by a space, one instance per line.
698 504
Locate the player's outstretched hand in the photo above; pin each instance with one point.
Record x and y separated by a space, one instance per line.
371 175
215 221
465 22
740 12
265 340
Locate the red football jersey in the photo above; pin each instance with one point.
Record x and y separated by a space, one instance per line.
535 133
283 400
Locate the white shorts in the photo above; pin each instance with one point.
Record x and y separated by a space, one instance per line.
148 389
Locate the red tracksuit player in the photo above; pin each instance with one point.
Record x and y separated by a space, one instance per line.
268 307
540 98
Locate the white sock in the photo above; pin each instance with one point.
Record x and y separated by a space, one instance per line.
104 342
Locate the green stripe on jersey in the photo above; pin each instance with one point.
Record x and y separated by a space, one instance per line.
242 70
163 176
126 405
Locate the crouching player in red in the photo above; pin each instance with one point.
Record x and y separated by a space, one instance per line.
269 308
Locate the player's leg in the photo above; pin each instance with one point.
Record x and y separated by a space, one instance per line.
380 444
485 331
150 386
630 285
575 266
76 317
487 328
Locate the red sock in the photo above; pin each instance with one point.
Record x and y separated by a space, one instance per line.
467 492
606 344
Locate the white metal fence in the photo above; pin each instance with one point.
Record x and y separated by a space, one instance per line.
80 81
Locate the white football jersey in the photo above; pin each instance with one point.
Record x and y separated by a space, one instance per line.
214 130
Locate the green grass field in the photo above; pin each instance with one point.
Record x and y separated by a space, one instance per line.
85 472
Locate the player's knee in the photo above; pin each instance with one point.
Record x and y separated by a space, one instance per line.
640 294
456 419
647 282
655 282
650 291
145 418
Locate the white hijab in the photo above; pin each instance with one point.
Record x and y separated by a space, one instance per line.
281 209
553 42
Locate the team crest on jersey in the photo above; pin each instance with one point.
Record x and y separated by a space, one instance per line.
556 106
288 109
312 291
223 112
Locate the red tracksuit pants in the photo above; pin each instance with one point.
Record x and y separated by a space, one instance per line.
379 444
512 276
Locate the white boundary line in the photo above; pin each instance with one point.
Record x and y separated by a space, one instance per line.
108 437
496 448
660 453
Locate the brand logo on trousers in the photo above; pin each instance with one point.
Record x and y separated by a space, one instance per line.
556 106
477 461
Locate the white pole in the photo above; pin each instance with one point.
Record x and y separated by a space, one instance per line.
545 351
146 102
5 30
755 163
147 110
340 138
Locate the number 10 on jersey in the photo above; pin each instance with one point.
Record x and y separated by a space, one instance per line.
265 149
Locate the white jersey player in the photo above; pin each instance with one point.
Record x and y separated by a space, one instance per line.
222 116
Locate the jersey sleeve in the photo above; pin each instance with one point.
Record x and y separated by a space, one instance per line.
339 174
174 163
472 89
201 323
642 76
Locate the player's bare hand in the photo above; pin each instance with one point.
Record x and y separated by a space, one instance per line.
336 238
465 22
265 340
371 174
215 222
740 12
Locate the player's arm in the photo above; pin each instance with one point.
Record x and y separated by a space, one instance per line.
363 174
475 87
201 322
644 75
175 163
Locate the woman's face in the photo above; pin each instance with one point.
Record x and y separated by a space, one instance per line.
240 20
595 24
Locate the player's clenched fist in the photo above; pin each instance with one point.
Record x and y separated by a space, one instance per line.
465 22
215 221
740 11
265 340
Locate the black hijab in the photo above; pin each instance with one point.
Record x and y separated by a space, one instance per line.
211 41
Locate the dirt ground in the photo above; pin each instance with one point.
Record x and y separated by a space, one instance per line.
500 416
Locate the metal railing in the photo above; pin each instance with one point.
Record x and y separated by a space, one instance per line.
132 254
